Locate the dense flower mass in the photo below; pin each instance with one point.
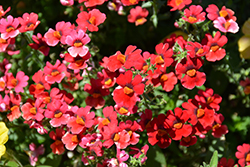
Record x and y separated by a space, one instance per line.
103 105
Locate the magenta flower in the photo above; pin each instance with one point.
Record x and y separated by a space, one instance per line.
35 152
226 26
28 22
52 37
54 73
67 2
77 41
8 28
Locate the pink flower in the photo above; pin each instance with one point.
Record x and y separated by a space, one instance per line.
17 83
226 26
67 2
28 22
138 15
40 44
194 14
35 152
2 12
54 73
77 41
57 111
52 37
8 28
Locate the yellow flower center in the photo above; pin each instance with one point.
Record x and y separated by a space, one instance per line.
164 78
192 19
2 84
3 41
92 20
116 137
58 114
55 73
105 121
214 48
80 121
75 139
191 72
121 58
200 113
227 25
108 81
178 2
178 125
128 90
9 29
159 60
200 51
223 13
14 82
123 110
248 157
78 43
57 34
33 110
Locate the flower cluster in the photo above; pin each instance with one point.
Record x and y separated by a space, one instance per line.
117 110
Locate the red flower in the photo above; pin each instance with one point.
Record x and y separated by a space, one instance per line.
131 127
52 37
97 92
77 41
93 143
40 44
209 99
83 119
131 58
193 14
226 163
110 116
145 119
246 85
188 141
57 111
78 62
108 78
177 124
216 52
90 20
92 3
130 89
195 49
198 113
4 44
218 129
178 4
28 22
125 110
167 81
214 12
71 141
243 154
192 77
129 2
33 111
112 135
138 15
158 133
17 83
57 147
41 83
54 73
9 27
2 12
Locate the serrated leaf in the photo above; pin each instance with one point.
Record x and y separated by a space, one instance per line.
214 159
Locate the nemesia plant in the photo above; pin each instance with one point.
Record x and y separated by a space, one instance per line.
80 106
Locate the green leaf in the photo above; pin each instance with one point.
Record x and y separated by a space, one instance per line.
12 164
214 159
155 157
147 4
154 20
